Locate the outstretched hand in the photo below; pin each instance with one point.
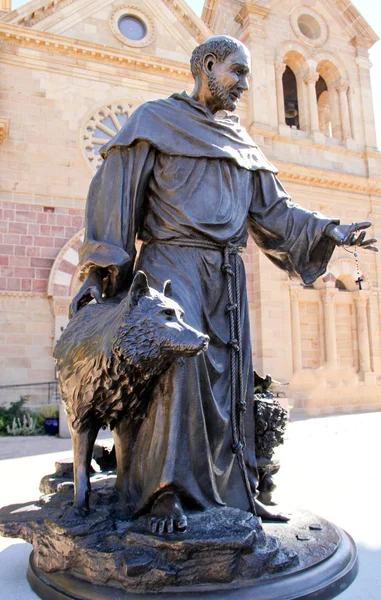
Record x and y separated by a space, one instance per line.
351 235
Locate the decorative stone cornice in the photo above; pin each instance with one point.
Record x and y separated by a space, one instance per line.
208 11
28 18
197 28
29 15
19 294
347 14
4 129
57 44
360 42
328 179
252 10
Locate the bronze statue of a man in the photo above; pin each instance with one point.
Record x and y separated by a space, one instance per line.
188 181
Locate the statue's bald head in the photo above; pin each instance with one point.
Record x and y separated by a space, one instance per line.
218 45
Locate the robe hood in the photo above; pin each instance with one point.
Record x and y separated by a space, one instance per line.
181 126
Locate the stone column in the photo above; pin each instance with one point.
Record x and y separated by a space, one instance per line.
295 329
361 301
342 88
364 65
262 95
328 297
375 333
311 79
280 68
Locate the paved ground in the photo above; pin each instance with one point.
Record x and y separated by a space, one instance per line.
329 465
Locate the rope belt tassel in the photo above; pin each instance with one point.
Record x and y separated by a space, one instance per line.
230 268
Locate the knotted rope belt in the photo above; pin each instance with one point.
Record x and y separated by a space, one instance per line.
230 267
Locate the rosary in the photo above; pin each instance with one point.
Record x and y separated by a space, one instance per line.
359 279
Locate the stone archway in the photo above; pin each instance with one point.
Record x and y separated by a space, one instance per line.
62 281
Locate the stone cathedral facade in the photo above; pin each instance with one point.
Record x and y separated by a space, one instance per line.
71 73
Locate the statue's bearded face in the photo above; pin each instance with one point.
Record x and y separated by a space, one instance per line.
229 79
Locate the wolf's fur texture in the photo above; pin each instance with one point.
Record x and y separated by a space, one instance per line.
111 354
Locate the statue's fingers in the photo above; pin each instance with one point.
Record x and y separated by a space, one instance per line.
351 239
363 225
369 242
360 238
373 248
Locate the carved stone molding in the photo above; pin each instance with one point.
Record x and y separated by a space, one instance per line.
361 298
363 62
311 77
299 174
280 67
343 86
4 129
46 10
19 294
252 10
328 295
196 28
57 44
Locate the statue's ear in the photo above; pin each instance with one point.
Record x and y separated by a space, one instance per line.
209 62
139 288
167 288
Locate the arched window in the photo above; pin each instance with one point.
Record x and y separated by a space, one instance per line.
331 75
290 95
295 95
324 111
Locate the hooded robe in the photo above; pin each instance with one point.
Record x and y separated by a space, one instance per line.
176 173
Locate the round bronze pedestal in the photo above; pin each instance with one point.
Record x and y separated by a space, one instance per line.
321 580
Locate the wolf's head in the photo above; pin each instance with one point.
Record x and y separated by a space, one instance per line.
152 326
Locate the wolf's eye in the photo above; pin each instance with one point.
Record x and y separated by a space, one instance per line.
169 312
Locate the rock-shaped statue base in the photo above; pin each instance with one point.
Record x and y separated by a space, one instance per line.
223 548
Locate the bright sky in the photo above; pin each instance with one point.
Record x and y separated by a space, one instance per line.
371 11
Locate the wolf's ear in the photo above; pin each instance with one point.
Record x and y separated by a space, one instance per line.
167 288
139 288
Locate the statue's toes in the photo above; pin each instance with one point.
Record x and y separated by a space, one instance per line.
154 522
170 525
161 526
181 523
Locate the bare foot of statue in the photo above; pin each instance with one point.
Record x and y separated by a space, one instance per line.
167 514
269 514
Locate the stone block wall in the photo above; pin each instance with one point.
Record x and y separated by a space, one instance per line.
30 239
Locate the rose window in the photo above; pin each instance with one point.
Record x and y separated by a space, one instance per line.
101 127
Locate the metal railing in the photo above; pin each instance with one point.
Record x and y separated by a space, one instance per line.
38 394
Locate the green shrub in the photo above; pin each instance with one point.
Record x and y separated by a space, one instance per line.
18 420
